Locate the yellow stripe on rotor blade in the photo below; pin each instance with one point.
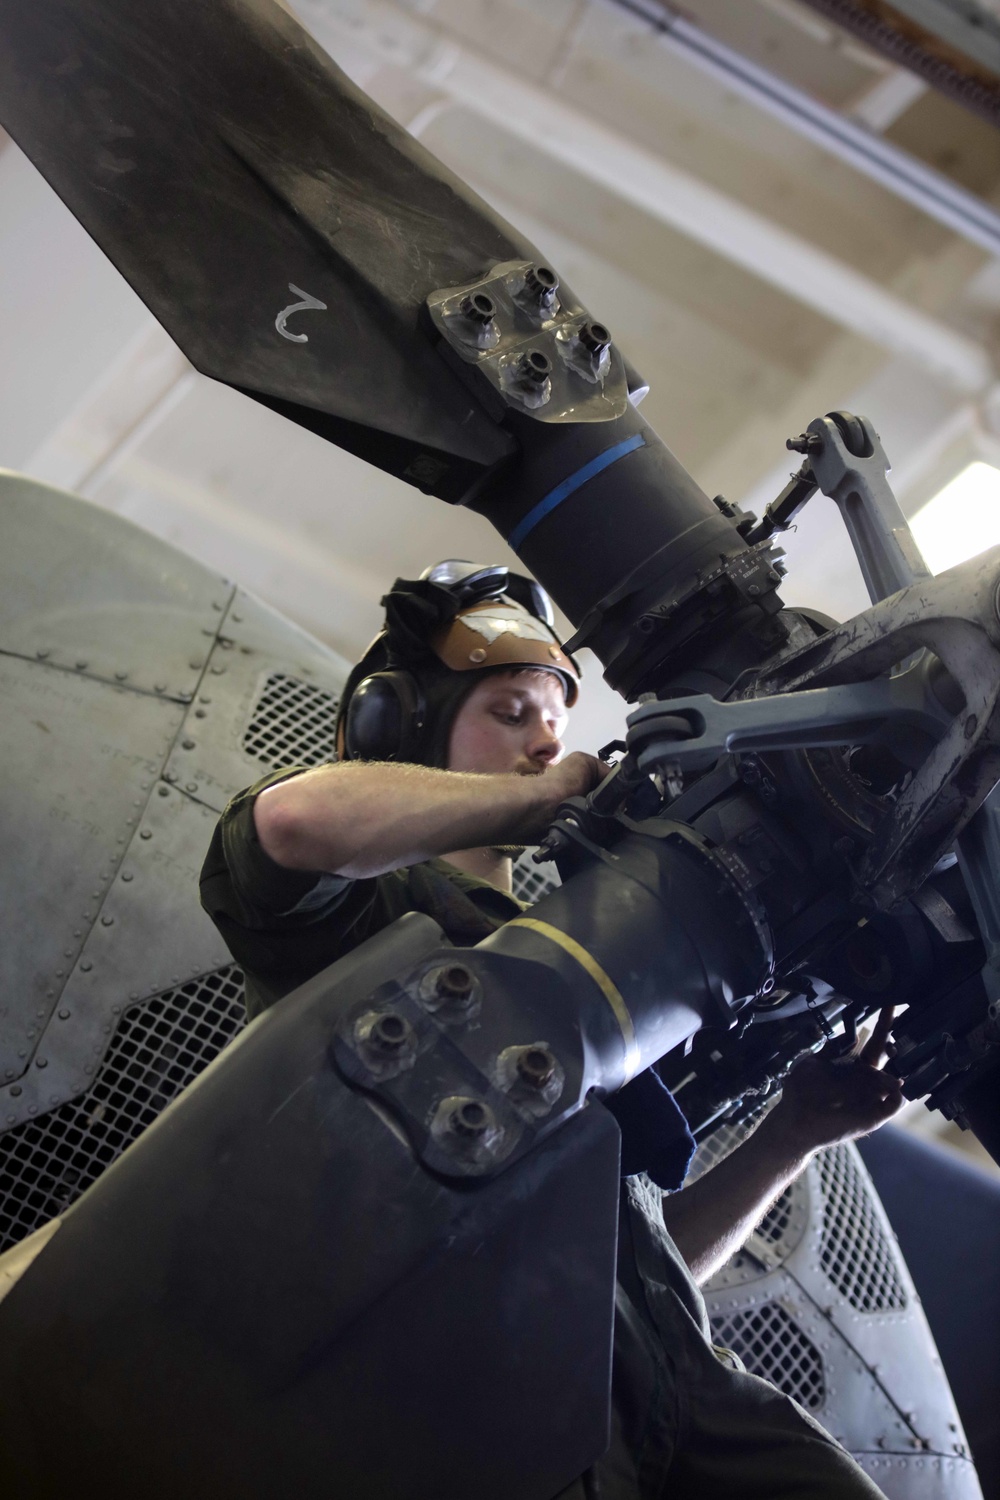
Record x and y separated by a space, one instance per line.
607 987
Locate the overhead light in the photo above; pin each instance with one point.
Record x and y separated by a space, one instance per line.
962 520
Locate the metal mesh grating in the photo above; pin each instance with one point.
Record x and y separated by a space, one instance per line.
855 1251
775 1222
293 724
531 881
771 1344
714 1147
159 1047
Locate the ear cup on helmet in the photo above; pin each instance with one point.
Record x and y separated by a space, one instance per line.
385 715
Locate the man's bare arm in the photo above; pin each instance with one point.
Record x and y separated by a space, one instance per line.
823 1102
361 819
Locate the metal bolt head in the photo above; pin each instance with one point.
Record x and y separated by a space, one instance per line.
594 337
541 282
534 368
454 983
390 1034
478 307
470 1119
536 1067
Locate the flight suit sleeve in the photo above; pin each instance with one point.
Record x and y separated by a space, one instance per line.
240 880
281 926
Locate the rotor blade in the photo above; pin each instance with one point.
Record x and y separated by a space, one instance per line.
283 230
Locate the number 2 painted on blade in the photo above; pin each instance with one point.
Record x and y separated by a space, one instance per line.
308 304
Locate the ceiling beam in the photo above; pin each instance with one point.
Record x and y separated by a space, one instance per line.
850 140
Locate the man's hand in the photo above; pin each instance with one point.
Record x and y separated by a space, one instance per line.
828 1100
824 1102
576 774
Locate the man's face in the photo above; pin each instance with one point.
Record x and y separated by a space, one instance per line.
511 721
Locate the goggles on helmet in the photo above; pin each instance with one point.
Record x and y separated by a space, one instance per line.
503 620
471 582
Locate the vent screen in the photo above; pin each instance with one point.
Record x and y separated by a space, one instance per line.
774 1223
531 881
855 1251
771 1344
293 724
159 1048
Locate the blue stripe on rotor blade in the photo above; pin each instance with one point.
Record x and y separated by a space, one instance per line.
562 491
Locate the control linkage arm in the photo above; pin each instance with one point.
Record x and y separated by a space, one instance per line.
916 678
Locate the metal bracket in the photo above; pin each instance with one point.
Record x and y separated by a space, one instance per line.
955 617
458 1065
534 343
844 459
693 733
979 860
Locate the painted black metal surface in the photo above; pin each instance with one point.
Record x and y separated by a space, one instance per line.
271 1266
283 230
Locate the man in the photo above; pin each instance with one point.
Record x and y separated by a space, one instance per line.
450 742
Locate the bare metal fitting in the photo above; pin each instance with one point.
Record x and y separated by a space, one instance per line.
390 1033
586 348
454 983
534 368
528 377
467 1129
450 991
531 1076
386 1042
595 338
541 284
478 307
536 1067
470 1119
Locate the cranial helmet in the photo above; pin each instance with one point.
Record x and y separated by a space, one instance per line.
443 632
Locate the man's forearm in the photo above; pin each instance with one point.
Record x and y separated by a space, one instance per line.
362 819
825 1100
712 1218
